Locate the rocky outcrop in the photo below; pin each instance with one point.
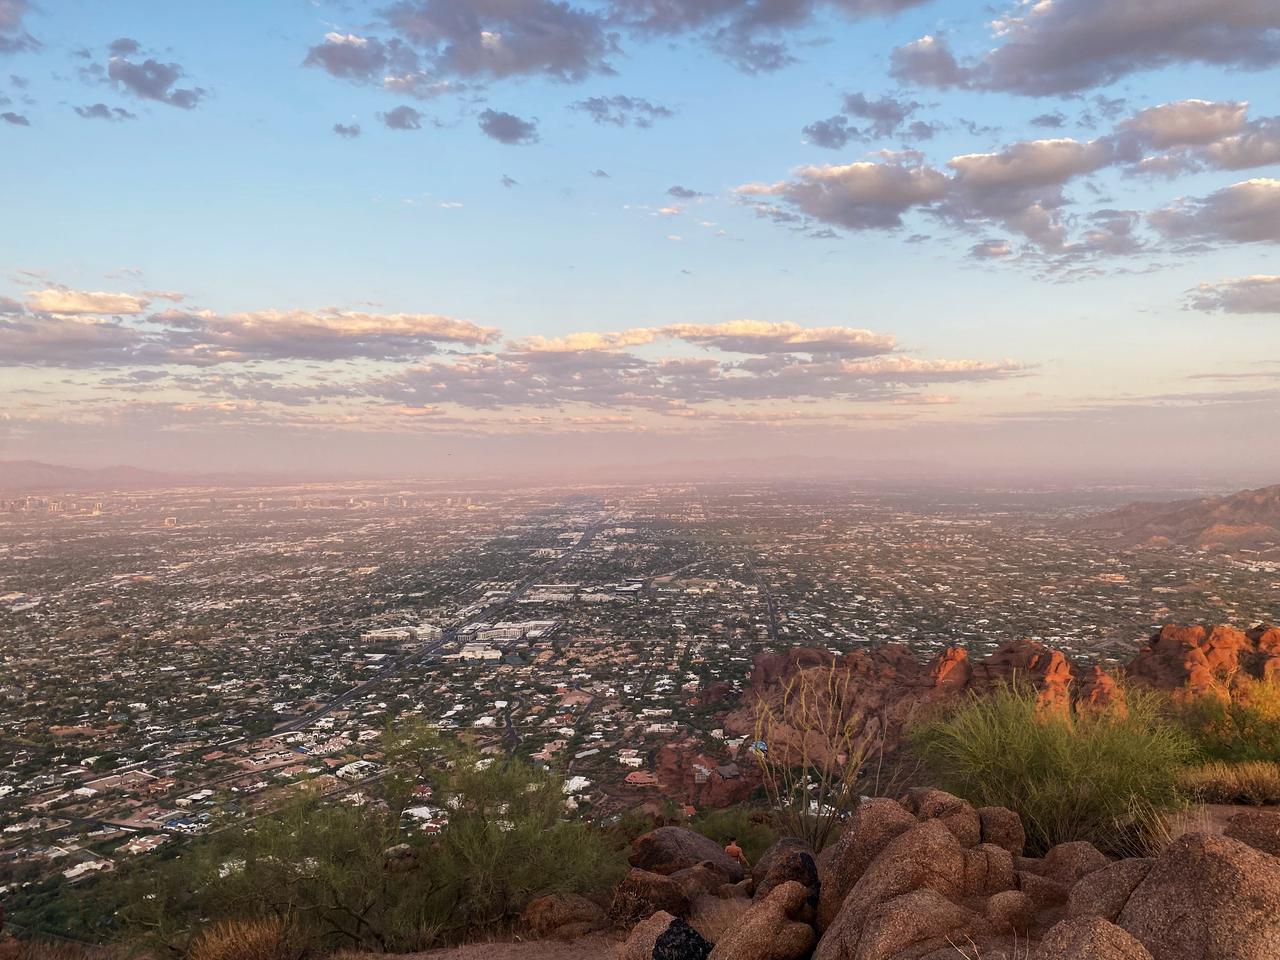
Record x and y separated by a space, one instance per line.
886 686
1260 829
564 916
669 849
664 937
1088 938
1207 898
788 859
776 927
643 893
930 878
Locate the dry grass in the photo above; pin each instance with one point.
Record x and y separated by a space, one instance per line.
713 917
13 949
1255 782
271 939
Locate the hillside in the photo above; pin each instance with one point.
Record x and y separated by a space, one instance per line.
32 476
1248 520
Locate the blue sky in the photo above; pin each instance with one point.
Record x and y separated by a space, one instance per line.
1058 222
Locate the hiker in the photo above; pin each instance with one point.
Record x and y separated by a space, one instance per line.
735 851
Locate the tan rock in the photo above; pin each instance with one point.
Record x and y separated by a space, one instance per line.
1002 827
987 869
875 823
1104 892
1068 862
1009 911
642 893
1260 829
1043 892
775 927
788 859
957 815
1208 898
669 849
639 945
914 923
1089 938
564 916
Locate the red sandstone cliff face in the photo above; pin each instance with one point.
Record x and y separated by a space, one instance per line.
888 684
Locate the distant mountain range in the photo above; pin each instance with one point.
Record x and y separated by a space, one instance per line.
31 476
1247 520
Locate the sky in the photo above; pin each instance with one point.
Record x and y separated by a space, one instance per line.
529 237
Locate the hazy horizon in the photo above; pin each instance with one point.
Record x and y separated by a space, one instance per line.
446 238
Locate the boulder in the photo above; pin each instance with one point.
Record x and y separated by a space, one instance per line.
699 879
639 945
908 925
928 856
1104 892
1002 827
669 849
776 927
1042 892
874 824
987 869
1089 938
1068 862
1208 898
400 858
957 815
642 893
1009 911
564 916
1260 829
788 859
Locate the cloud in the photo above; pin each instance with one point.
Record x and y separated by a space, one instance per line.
622 111
747 33
928 62
349 131
886 114
402 117
67 301
17 119
1256 294
507 127
493 39
1064 46
13 37
859 196
831 133
153 80
1247 212
124 47
1187 122
100 111
365 59
65 341
683 193
735 336
991 250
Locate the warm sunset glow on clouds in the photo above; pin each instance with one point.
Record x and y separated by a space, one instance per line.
450 235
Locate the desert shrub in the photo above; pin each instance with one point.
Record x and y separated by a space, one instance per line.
1236 725
754 829
815 759
324 866
268 939
1256 782
1104 777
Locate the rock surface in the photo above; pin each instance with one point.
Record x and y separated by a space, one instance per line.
669 849
1089 938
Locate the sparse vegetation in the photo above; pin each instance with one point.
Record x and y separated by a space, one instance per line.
1104 777
271 938
1238 723
1256 782
815 755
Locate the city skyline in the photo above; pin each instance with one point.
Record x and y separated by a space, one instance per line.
496 236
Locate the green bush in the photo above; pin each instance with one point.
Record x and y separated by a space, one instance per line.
324 866
1238 727
1103 777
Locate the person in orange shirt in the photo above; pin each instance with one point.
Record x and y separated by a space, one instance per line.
735 851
